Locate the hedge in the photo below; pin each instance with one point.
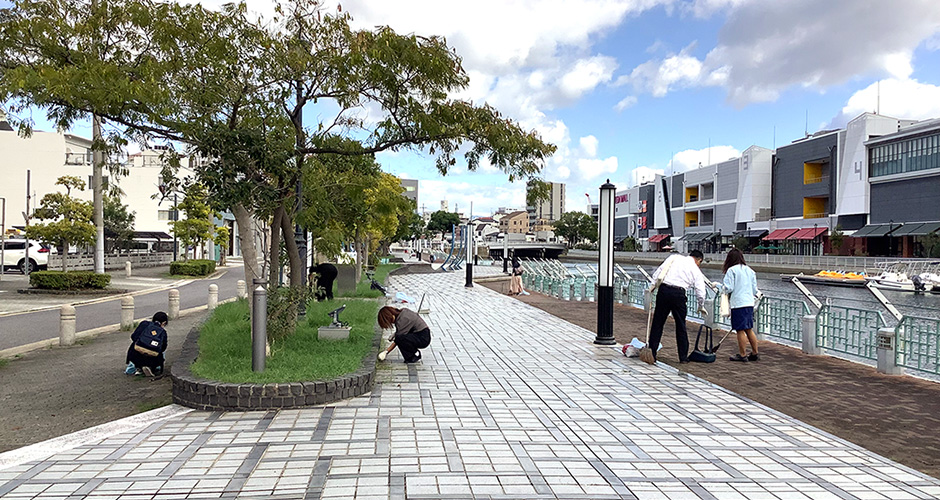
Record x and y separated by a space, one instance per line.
69 280
195 267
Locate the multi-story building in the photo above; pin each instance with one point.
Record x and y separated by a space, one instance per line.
904 176
546 212
515 222
411 189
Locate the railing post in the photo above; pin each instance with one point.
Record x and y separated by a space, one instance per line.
127 269
887 352
127 312
259 325
173 311
584 290
571 292
66 325
594 297
213 297
809 336
241 290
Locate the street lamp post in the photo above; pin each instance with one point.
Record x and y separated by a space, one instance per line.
890 238
605 266
815 244
469 227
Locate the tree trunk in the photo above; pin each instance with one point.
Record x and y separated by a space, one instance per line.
246 236
275 255
293 253
358 245
365 253
65 257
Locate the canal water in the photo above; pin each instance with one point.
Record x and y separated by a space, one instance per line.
921 305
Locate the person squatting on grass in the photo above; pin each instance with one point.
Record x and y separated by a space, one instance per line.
148 342
680 274
741 284
324 274
411 332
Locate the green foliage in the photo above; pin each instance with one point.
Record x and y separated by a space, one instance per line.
71 218
197 227
837 239
410 225
442 222
629 244
118 221
931 244
71 280
537 191
193 267
282 310
741 243
576 226
586 246
225 345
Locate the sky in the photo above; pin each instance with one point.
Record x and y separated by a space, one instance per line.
629 88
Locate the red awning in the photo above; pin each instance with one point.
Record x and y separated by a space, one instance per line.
656 238
809 233
780 234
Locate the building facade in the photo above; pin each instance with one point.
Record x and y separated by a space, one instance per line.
546 212
515 222
411 190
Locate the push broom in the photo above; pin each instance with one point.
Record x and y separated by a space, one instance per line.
646 354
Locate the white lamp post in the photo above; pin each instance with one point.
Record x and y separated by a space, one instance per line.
605 266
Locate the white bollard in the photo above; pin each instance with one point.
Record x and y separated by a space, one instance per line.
127 312
241 289
66 325
213 296
809 336
886 353
127 269
173 311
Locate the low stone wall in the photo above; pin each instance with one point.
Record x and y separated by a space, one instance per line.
203 394
112 262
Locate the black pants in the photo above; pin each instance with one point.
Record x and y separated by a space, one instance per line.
141 360
325 275
670 299
409 343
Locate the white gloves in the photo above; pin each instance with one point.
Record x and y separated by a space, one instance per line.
717 285
383 355
702 311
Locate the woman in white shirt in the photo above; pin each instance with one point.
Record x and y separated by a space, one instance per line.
741 284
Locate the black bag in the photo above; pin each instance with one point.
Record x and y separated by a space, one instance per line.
707 355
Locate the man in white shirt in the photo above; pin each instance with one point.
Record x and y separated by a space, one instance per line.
681 272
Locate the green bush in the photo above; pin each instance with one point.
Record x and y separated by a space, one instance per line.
195 267
69 280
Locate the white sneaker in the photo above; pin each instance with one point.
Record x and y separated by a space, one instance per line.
147 371
383 355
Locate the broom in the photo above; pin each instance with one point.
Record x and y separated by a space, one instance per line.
646 354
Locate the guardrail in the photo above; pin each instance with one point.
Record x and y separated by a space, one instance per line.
849 330
781 318
918 343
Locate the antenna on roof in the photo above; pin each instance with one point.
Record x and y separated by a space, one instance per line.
878 100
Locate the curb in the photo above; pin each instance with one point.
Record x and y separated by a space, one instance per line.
102 299
212 395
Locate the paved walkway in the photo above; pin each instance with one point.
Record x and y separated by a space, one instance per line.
510 402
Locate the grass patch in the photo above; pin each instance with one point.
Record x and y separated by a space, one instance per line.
363 289
4 362
225 345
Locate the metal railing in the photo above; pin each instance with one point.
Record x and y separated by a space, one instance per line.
810 261
781 318
849 330
918 344
815 180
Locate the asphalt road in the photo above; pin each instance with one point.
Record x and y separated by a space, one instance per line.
21 329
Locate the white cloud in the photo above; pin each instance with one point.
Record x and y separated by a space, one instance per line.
485 199
593 167
625 103
899 98
589 145
765 48
587 74
640 175
691 158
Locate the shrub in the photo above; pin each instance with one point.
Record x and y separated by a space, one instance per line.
195 267
69 280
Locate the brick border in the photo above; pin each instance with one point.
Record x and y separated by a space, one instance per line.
204 394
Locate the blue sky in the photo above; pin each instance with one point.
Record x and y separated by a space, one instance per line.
628 88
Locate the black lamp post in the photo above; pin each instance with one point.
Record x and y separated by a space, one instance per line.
469 228
890 238
815 250
605 266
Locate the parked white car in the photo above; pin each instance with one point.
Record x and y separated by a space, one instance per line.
14 255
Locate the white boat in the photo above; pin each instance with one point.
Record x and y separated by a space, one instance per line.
907 277
890 280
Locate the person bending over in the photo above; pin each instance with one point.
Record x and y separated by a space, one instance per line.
148 343
325 274
411 332
678 273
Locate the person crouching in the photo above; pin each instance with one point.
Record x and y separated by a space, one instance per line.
148 342
411 332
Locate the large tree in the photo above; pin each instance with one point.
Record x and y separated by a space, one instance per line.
70 218
237 90
576 226
442 221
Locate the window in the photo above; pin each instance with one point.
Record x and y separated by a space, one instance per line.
910 155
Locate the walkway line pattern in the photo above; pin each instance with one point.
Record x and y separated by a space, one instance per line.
509 402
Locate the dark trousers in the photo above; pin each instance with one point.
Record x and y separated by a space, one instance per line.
409 344
670 299
141 360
